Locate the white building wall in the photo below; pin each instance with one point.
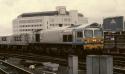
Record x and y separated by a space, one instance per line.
30 24
74 15
26 25
55 21
82 20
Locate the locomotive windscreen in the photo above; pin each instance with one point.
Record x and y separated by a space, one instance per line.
98 33
113 24
88 33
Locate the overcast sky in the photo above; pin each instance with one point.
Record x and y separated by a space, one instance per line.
95 10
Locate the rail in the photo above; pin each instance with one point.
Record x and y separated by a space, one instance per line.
8 68
2 71
118 60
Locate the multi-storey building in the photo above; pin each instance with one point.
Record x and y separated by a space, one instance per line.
29 22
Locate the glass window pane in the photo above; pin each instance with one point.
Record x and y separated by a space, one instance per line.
98 33
88 33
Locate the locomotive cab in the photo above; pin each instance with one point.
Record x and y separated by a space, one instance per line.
93 38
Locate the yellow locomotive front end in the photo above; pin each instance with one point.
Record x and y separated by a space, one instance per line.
93 39
93 43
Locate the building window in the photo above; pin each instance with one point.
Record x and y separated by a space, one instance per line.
30 21
20 30
52 20
67 19
40 24
60 25
20 26
52 25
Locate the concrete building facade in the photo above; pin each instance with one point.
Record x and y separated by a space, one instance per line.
29 22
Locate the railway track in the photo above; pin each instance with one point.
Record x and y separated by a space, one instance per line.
118 61
7 68
39 58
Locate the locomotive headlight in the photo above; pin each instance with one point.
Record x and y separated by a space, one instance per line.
85 41
101 41
94 40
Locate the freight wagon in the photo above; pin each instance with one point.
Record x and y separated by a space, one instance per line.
114 42
114 34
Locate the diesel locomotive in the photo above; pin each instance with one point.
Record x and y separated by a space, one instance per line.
57 41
